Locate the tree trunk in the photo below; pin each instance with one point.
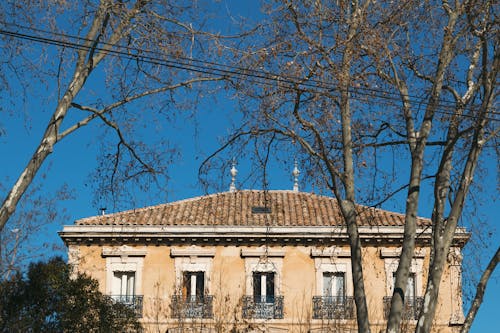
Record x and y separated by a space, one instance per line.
481 287
357 269
44 149
443 231
408 246
87 60
348 206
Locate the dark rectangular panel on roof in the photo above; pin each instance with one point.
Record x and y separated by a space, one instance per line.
261 210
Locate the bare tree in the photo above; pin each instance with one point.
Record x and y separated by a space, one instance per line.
317 56
313 49
461 77
349 83
133 50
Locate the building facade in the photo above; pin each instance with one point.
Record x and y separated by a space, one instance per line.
256 261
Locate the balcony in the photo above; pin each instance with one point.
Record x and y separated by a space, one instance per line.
263 307
326 307
412 307
132 301
192 306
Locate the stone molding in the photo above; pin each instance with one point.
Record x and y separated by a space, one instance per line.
192 251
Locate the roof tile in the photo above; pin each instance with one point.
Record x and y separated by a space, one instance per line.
288 208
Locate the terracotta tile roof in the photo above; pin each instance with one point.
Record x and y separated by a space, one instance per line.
249 208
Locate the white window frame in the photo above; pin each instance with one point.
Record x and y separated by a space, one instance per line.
121 280
334 276
332 260
192 259
263 260
391 261
124 259
193 284
263 285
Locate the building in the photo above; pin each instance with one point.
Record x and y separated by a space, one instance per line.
256 261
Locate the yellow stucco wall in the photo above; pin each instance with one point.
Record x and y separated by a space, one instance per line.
228 283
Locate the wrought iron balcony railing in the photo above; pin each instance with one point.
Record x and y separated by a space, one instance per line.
263 307
412 307
329 307
132 301
192 306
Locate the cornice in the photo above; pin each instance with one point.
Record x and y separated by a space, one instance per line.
228 235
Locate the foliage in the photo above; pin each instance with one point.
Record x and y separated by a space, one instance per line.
50 299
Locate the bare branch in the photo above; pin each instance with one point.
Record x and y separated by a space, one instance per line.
481 288
96 112
396 191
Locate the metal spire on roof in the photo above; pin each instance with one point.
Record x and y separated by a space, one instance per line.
234 172
296 173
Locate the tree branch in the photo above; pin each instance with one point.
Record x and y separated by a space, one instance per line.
95 112
481 288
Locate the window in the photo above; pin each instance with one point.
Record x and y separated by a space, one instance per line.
262 283
264 303
410 286
263 287
333 304
193 286
192 303
333 271
334 285
391 261
413 301
192 269
124 275
412 304
124 286
192 263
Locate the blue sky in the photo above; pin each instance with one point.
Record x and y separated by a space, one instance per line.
74 159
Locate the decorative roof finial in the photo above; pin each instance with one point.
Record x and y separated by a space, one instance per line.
296 173
234 172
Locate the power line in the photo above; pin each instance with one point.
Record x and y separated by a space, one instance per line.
230 69
212 68
316 83
220 67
